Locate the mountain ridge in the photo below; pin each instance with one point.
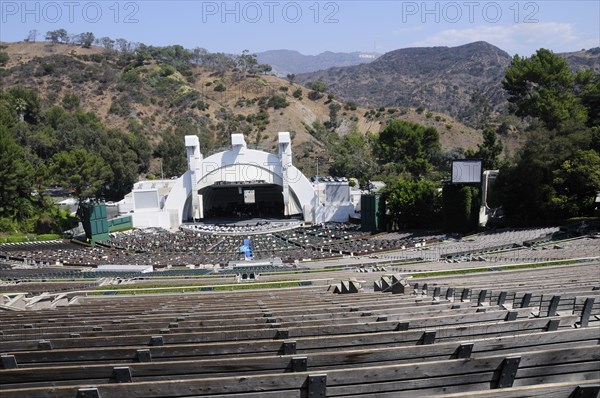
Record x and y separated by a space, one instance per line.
462 81
286 61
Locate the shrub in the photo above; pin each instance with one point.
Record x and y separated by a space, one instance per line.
350 106
47 68
319 86
201 105
96 58
167 70
3 58
120 107
70 101
131 77
277 102
314 95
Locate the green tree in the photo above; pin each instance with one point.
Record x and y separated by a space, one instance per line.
43 142
542 87
277 101
140 144
123 45
219 62
319 86
198 55
554 177
8 113
264 68
413 204
460 208
246 62
87 39
26 102
577 183
52 36
83 172
16 178
333 122
353 157
489 152
588 87
107 43
555 174
119 154
524 188
408 147
317 90
320 132
23 206
291 77
57 36
171 150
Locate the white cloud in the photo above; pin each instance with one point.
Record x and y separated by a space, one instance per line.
523 39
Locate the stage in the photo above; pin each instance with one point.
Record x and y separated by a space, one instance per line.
235 226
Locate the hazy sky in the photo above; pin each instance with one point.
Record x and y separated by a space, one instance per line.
311 27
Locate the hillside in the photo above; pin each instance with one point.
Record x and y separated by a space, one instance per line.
158 91
288 61
583 59
463 81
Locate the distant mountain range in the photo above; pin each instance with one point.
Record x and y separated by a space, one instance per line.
461 81
288 61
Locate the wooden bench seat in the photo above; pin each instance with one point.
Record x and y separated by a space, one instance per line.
569 389
314 361
277 330
447 376
186 346
222 321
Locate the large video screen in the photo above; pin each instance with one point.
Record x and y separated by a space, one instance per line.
249 196
337 193
466 171
146 199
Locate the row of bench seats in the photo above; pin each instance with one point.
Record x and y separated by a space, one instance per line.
308 342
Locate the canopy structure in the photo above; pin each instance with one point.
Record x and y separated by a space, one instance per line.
239 182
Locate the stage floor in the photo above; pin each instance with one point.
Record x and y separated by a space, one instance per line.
251 226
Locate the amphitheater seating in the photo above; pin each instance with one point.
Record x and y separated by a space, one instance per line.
518 333
506 332
188 247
